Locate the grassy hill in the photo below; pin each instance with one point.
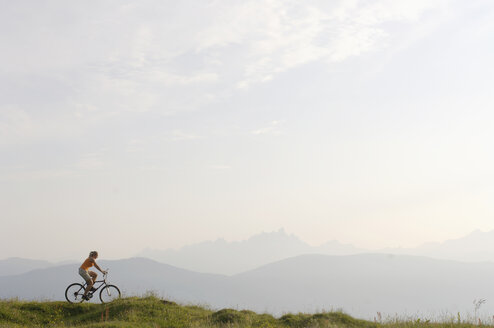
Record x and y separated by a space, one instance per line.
153 312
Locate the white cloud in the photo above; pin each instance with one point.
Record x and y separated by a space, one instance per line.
15 124
23 126
220 167
273 129
91 161
23 174
112 58
134 145
278 35
179 135
132 50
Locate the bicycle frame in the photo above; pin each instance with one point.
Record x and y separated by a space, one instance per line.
102 283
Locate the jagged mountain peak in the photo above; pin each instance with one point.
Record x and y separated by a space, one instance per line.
225 257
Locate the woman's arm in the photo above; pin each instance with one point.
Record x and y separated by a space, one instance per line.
97 267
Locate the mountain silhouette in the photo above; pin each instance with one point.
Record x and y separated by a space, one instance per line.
231 258
477 246
16 265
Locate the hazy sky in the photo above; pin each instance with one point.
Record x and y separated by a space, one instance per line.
132 124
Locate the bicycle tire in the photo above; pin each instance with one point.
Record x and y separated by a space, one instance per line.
109 293
73 293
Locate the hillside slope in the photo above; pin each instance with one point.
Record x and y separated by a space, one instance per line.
154 313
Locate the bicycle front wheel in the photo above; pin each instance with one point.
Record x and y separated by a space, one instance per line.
74 293
109 293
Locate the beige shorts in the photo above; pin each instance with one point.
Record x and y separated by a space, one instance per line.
84 274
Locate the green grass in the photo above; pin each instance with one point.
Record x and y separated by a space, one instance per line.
152 312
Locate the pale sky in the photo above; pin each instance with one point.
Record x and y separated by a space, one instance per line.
133 124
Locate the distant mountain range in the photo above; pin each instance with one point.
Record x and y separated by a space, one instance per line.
16 265
359 284
230 258
477 246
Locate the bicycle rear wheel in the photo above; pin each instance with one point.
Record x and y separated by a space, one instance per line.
109 293
74 293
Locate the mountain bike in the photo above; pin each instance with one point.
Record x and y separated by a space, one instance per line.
108 292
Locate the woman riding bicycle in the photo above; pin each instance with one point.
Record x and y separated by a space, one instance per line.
90 276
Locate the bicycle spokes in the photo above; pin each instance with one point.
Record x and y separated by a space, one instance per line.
74 293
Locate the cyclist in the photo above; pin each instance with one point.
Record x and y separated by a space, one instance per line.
90 276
